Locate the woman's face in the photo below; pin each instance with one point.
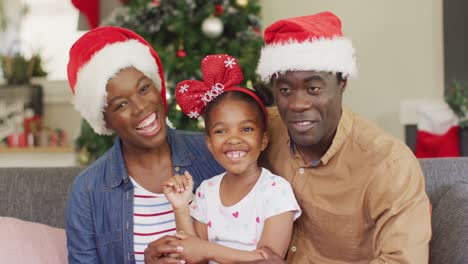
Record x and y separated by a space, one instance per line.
135 110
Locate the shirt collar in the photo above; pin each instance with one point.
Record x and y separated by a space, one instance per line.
342 132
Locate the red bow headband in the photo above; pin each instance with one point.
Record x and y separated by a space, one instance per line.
221 73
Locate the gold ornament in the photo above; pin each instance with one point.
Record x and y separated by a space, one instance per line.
84 157
242 3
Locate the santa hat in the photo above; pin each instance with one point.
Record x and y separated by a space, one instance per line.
306 43
98 56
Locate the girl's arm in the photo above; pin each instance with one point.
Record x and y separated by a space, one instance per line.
178 190
196 250
277 239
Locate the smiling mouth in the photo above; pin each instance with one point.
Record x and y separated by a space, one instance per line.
303 126
236 155
149 126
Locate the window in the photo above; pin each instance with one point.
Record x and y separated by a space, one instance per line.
50 28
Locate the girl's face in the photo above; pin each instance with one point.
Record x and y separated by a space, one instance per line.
135 110
235 136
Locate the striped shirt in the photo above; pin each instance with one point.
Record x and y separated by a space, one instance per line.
153 218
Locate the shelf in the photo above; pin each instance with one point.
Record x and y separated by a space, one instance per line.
64 149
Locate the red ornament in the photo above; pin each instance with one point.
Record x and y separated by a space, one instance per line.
257 31
181 53
219 10
156 3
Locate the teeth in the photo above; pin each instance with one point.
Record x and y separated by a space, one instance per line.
236 154
150 119
303 123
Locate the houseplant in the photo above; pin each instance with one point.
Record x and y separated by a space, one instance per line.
456 97
18 69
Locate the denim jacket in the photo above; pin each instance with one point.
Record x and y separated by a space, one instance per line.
99 216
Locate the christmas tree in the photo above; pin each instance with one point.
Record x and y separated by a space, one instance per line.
183 32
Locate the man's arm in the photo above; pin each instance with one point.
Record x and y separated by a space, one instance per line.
397 202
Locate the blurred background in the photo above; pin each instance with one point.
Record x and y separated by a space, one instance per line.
412 60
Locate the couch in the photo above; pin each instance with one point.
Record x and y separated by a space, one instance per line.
33 202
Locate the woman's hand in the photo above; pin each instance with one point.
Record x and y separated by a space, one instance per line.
178 190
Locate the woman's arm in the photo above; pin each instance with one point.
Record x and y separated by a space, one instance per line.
81 240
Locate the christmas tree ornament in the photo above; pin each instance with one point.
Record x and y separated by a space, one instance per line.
155 3
242 3
219 10
212 27
84 156
181 53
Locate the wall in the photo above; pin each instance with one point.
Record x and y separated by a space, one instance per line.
456 40
399 51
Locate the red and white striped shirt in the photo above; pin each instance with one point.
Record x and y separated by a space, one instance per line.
153 218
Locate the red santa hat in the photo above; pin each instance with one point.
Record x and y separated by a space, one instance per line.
98 56
313 42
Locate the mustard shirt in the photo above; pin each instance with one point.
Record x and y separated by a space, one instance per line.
363 202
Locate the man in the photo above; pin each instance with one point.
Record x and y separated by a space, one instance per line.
361 190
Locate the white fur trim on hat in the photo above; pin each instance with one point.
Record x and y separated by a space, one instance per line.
329 55
90 88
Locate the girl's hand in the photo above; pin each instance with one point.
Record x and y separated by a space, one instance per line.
178 190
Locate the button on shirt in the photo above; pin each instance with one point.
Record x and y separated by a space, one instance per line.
363 202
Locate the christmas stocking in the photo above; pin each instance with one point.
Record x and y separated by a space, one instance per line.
90 9
438 132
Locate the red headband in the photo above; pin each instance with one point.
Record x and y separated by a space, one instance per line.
221 73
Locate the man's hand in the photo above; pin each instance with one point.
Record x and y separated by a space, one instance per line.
178 190
270 257
163 250
194 248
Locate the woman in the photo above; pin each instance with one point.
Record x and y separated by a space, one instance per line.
116 206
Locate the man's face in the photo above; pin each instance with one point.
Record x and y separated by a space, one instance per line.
309 103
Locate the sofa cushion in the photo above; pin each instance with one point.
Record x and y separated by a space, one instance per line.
29 242
449 242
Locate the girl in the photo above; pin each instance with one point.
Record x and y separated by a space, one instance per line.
246 207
